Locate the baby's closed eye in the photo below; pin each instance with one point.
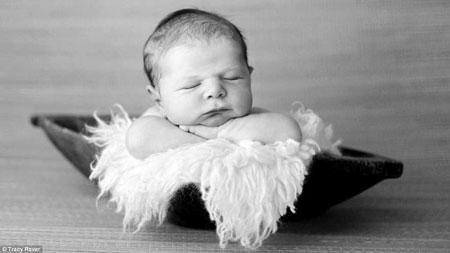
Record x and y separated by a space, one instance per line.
190 86
232 78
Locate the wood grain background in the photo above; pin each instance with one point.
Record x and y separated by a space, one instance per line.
378 70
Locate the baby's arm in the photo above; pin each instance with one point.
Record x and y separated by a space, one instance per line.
265 127
153 134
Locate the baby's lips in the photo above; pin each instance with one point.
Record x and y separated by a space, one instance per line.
216 110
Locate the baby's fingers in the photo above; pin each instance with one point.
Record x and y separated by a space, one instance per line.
184 128
203 131
193 129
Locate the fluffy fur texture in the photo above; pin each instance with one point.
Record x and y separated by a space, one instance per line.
246 186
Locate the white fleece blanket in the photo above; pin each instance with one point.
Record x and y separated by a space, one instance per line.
246 186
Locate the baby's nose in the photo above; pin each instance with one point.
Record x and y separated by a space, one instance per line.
215 89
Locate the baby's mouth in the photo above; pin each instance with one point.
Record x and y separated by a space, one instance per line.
215 112
215 117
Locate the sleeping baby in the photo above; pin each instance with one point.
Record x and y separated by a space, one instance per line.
248 164
200 81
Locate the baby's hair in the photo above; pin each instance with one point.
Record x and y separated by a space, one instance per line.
186 25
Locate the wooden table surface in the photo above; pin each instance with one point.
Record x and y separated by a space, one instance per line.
378 70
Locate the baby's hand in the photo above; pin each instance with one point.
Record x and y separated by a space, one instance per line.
202 131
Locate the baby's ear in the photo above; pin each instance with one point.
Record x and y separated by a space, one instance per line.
154 93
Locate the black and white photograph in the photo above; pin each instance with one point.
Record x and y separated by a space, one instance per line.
225 126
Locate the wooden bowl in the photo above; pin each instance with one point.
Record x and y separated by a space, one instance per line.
331 179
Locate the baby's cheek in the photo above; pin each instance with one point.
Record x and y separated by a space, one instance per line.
244 104
178 120
181 118
175 112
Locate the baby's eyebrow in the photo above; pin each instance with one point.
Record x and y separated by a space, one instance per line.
238 68
190 78
186 81
193 77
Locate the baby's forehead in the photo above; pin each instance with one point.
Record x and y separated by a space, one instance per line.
200 40
206 45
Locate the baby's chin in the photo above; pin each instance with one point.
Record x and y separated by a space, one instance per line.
215 121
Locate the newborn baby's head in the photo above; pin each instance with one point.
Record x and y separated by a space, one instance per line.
197 66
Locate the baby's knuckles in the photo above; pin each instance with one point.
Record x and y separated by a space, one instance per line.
203 131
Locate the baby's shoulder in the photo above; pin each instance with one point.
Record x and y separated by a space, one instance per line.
153 111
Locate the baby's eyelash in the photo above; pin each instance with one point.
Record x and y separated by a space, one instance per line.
232 78
190 86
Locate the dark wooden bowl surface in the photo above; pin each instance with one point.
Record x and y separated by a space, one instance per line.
331 179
